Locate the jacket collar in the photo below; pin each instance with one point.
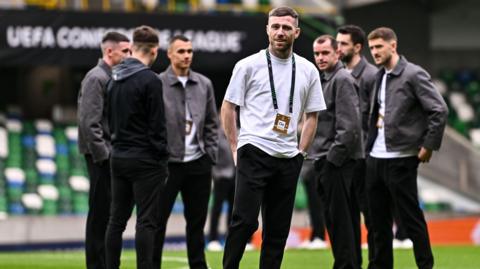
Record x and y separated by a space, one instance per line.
171 77
358 69
102 64
398 69
326 76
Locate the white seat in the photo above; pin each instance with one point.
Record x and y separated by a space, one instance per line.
14 126
79 183
44 126
45 146
15 175
32 201
3 143
72 133
46 166
48 192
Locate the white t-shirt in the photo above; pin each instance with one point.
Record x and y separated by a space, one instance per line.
379 149
192 148
249 88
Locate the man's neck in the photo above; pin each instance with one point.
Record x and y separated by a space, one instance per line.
332 67
142 58
108 61
355 60
180 72
392 63
280 54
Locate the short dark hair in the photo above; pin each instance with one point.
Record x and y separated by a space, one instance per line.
356 33
115 37
384 33
323 38
284 11
178 37
145 38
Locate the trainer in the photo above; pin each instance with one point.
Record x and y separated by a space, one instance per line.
407 121
273 88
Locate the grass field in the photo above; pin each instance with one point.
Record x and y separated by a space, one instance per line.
464 257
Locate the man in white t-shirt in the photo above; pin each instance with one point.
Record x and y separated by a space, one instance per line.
273 89
407 120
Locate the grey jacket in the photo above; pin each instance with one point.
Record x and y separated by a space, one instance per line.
199 96
225 167
415 113
93 132
364 74
338 135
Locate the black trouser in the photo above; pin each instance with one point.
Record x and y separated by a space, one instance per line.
193 180
99 199
315 205
223 190
138 182
392 185
361 195
270 183
338 195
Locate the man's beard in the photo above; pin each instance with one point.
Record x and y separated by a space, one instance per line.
347 58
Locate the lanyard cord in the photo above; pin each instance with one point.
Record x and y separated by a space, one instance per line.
272 84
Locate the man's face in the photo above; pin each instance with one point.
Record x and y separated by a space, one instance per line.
382 50
346 49
180 54
325 56
118 51
282 32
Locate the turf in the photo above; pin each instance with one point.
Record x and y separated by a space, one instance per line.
465 257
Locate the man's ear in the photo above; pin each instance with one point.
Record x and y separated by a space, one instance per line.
297 32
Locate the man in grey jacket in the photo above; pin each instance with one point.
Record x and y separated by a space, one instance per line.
407 121
192 124
351 40
94 143
336 146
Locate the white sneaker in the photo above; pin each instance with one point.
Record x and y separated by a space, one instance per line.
214 246
317 243
249 247
406 244
304 244
397 243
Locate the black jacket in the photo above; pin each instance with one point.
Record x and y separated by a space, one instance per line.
136 113
415 112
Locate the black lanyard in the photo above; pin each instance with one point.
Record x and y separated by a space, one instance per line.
272 84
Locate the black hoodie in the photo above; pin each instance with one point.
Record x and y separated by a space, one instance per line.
136 113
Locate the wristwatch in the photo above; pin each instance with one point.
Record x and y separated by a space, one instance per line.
304 154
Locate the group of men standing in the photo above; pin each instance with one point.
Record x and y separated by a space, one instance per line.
368 130
129 113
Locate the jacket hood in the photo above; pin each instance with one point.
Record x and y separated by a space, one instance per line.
127 68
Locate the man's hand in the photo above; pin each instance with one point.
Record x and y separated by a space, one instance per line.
234 153
424 155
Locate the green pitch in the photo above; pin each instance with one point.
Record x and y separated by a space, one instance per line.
445 258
